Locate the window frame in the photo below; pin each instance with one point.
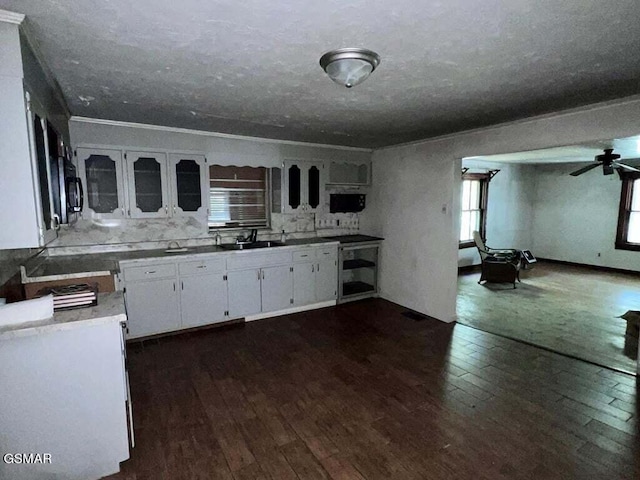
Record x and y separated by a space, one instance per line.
484 179
238 225
624 211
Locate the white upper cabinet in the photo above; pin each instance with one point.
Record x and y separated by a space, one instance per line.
349 174
102 174
189 185
304 186
148 184
27 179
138 184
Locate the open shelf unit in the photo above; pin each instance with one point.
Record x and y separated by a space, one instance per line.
358 274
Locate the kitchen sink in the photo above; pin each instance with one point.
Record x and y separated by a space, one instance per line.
251 246
176 250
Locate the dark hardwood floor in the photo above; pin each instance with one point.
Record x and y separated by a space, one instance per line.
361 392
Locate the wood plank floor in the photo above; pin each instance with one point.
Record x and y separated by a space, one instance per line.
360 391
569 309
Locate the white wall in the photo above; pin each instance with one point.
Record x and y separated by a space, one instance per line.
509 208
412 183
575 218
218 149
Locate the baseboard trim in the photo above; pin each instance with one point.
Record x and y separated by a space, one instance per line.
599 268
288 311
469 268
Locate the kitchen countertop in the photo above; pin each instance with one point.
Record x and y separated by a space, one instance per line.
355 238
110 308
63 267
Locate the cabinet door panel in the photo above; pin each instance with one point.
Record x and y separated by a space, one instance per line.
104 182
304 283
277 288
244 293
313 187
294 183
203 299
188 178
327 280
148 185
152 307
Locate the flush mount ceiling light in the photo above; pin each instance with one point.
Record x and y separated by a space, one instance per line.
349 66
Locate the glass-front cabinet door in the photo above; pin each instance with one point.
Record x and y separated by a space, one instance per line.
293 180
102 175
314 189
304 186
148 185
188 179
48 221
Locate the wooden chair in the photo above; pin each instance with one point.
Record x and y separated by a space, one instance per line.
498 265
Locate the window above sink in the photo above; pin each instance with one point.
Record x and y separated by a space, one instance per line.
238 197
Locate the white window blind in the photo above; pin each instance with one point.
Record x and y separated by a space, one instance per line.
238 197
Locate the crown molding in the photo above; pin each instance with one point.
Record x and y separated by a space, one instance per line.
11 17
522 121
161 128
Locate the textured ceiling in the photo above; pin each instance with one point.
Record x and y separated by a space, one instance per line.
627 148
251 67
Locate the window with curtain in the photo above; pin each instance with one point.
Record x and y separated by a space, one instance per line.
474 205
628 235
238 197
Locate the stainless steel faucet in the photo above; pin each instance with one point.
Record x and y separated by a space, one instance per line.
251 238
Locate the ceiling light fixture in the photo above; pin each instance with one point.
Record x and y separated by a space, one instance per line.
349 66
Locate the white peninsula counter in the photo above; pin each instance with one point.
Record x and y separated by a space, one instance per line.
64 392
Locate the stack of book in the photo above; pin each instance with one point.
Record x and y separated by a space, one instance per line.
72 296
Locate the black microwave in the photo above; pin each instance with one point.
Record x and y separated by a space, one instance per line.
346 202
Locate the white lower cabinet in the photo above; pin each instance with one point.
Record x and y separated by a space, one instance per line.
304 283
326 279
203 299
277 288
163 297
244 293
152 307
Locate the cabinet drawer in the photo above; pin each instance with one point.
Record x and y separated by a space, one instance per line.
201 267
149 272
249 260
327 252
306 255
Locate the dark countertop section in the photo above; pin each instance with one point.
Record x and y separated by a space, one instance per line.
356 238
94 264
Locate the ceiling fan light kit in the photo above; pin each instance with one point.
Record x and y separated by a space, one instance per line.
609 163
349 66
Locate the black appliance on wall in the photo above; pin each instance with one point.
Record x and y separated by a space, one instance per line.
346 202
66 187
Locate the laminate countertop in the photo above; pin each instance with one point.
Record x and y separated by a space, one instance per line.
62 267
110 308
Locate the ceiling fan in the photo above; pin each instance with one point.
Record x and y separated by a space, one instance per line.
609 163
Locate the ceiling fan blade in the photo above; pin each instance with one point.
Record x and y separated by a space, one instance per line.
585 169
628 168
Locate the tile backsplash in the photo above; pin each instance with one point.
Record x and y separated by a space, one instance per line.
189 231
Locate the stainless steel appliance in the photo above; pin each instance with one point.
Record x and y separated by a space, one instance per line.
66 187
346 202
